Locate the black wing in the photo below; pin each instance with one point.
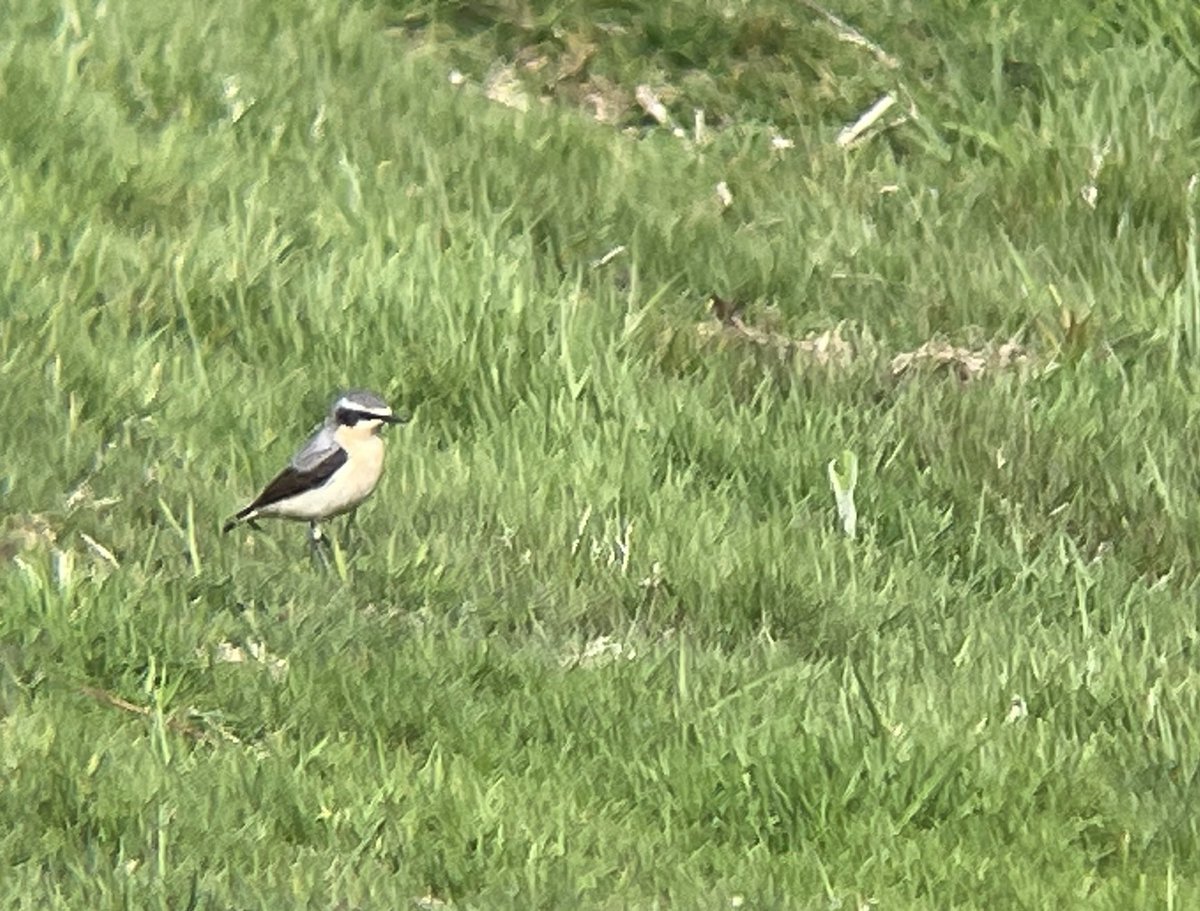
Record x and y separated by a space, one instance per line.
292 481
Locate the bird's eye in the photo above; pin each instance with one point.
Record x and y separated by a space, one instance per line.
347 416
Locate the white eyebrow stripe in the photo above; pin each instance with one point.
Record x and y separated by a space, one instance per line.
351 405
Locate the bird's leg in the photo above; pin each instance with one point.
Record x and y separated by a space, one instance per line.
350 529
315 540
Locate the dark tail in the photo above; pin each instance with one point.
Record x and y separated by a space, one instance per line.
237 519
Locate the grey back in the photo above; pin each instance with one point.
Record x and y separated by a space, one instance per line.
316 449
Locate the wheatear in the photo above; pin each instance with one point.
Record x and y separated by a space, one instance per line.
333 472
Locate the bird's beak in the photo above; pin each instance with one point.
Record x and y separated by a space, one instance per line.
395 418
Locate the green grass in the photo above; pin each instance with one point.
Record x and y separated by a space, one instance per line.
598 641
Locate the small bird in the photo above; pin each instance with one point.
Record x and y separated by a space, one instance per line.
333 472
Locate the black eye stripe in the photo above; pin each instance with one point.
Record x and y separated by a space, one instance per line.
351 416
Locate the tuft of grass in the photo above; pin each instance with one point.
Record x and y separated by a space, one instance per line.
600 639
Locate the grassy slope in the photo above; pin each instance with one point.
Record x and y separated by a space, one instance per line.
214 216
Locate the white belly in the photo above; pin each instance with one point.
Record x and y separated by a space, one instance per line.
345 489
